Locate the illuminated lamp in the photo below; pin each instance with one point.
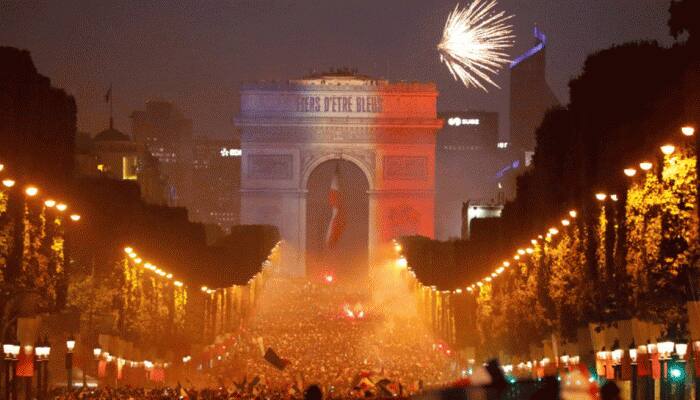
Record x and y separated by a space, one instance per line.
645 165
565 222
601 196
61 207
50 203
31 191
8 183
613 197
75 217
668 149
688 130
573 213
630 172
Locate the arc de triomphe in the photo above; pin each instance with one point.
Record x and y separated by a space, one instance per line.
386 129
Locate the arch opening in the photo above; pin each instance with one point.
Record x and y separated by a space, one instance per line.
348 258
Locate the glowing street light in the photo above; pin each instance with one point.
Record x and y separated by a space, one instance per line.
61 207
50 203
506 264
8 183
688 130
645 165
75 217
668 149
630 172
128 250
573 214
601 196
565 222
31 191
204 288
613 197
177 283
521 252
401 263
553 231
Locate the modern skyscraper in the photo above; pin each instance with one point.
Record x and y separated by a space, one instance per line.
530 95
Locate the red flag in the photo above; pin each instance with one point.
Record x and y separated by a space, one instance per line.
25 364
338 217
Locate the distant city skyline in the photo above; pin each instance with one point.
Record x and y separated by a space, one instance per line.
197 54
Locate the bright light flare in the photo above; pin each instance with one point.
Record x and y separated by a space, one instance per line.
328 278
668 149
31 191
474 43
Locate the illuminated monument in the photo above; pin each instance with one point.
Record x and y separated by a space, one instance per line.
294 134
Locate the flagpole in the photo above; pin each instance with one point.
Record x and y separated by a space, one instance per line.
111 108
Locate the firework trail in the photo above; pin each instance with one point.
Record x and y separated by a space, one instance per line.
474 43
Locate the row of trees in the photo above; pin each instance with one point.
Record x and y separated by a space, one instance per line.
636 257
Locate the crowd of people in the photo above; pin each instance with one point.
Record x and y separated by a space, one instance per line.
349 339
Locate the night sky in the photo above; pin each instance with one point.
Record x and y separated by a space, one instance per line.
196 53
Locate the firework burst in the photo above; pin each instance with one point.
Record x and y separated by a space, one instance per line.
474 43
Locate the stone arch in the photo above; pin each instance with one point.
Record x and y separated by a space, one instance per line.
316 161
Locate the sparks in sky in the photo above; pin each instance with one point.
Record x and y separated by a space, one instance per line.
474 43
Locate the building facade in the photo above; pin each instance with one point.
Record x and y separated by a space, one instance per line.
164 131
468 156
530 95
386 130
216 177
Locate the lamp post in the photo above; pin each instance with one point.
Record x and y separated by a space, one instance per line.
97 352
651 350
70 345
665 352
11 351
42 351
677 373
633 364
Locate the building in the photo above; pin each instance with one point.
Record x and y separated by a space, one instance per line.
530 96
472 210
166 134
468 155
113 154
216 177
380 138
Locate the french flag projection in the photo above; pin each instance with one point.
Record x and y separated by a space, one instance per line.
337 223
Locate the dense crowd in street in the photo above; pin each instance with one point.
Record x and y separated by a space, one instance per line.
348 339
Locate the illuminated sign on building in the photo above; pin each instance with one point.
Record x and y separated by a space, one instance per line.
230 152
347 104
457 121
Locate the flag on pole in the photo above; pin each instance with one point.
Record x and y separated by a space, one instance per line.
275 360
338 217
